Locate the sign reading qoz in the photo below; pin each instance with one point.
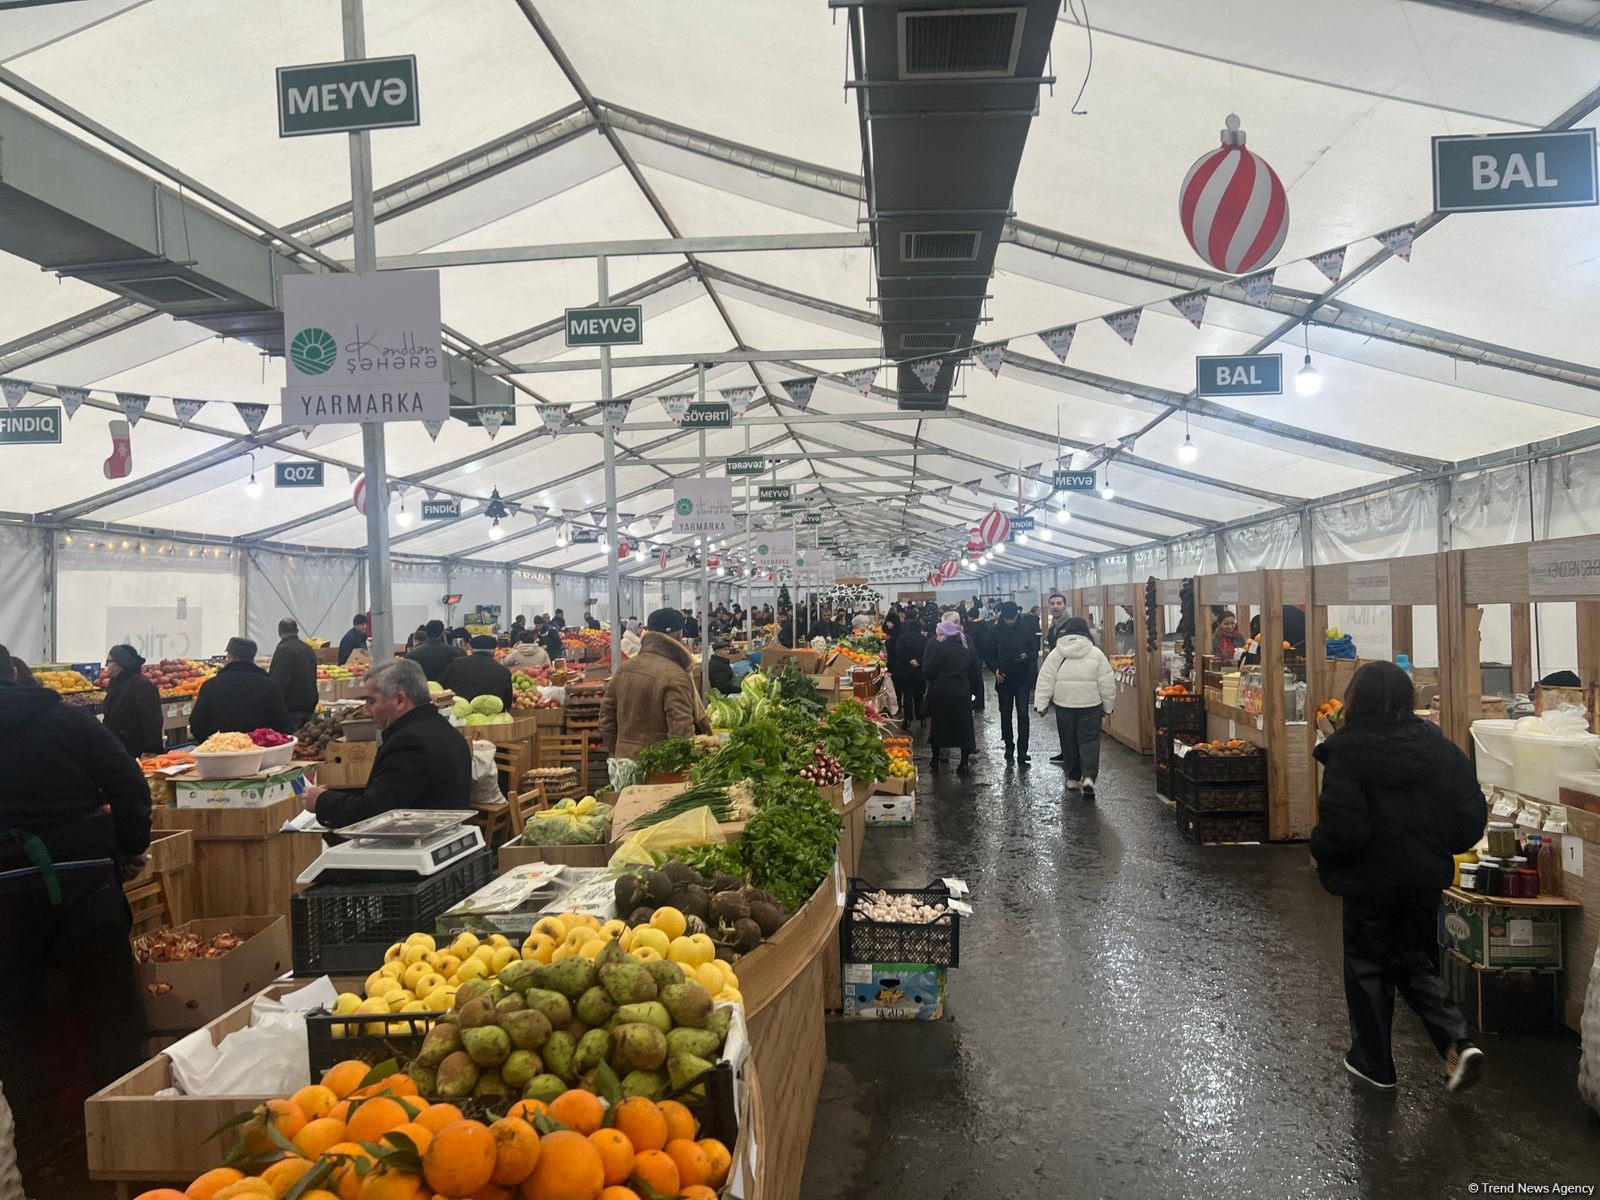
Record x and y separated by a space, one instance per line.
297 474
344 97
363 348
1497 171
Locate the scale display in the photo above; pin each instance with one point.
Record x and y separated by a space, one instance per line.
405 843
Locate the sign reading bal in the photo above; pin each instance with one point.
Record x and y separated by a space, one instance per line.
1492 172
1238 375
343 97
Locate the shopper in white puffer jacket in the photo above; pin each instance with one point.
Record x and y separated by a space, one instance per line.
1076 677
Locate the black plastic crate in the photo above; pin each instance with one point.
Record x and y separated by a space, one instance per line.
331 1040
1214 829
1211 768
1164 784
1180 714
865 941
344 928
1225 797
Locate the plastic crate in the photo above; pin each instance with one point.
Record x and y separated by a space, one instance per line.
331 1040
1164 784
344 928
1208 798
1180 714
1214 829
1211 768
866 941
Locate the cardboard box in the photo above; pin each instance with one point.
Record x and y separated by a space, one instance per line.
202 990
346 764
891 810
895 786
1500 935
894 991
1502 999
514 854
255 791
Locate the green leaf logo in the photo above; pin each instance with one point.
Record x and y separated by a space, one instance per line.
762 549
313 351
685 507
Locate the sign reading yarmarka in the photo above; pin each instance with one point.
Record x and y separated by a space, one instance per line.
440 510
31 426
363 348
344 97
702 506
775 491
297 474
619 325
774 551
746 466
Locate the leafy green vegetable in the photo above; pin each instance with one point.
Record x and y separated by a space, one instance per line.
797 690
672 756
853 738
696 795
710 858
788 847
754 750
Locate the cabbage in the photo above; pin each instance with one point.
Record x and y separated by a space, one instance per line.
755 685
460 709
476 719
500 718
488 705
434 688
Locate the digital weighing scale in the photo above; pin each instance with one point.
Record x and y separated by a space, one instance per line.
397 847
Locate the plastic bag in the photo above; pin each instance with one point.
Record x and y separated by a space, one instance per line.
558 694
1569 720
485 775
569 823
623 773
697 827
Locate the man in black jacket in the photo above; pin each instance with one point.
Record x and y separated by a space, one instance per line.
240 698
721 669
422 762
479 675
435 654
355 638
294 670
1013 655
62 860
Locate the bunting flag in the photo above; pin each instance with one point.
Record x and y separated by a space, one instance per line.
800 390
1258 288
72 399
1398 240
132 405
1193 306
991 357
1125 323
14 390
615 412
554 417
493 418
676 405
307 430
738 399
430 494
186 410
400 489
861 380
1059 340
1004 480
944 493
1330 263
927 371
252 415
352 474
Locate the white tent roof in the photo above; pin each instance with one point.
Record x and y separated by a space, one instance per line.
731 118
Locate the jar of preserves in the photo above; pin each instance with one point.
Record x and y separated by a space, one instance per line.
1502 839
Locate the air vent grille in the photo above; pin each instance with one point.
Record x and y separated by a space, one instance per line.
960 43
169 289
928 341
939 245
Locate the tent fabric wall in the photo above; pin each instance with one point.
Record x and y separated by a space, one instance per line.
162 602
25 600
1391 525
531 594
415 592
320 592
1273 545
571 593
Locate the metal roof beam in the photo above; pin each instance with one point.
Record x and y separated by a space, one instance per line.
722 358
631 247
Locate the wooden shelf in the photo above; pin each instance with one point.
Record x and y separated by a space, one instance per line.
1544 900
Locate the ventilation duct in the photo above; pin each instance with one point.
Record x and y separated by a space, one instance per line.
940 245
960 43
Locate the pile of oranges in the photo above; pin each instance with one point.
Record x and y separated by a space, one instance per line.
340 1140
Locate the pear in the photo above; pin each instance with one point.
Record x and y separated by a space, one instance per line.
638 1047
557 1053
518 976
681 1068
442 1041
593 1050
527 1029
595 1007
652 1012
719 1022
477 1012
488 1045
519 1069
426 1079
556 1007
471 990
572 977
509 1003
665 972
491 1087
544 1087
610 954
701 1043
652 1085
457 1076
628 983
689 1004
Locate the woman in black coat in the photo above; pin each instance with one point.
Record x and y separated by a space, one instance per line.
1398 800
133 705
955 688
906 670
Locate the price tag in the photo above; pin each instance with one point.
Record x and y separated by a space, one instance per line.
849 790
1505 806
1259 724
838 882
1181 749
962 907
1233 729
1572 855
956 887
1520 930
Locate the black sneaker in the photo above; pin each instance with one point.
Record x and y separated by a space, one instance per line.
1023 759
1059 758
1463 1064
1088 789
1010 752
1365 1078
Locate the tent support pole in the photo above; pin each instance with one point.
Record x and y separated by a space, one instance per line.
705 562
364 235
749 563
613 563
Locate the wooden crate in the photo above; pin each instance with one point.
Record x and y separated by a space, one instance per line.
346 764
171 859
242 862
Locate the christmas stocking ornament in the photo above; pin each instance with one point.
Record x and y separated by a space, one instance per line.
120 464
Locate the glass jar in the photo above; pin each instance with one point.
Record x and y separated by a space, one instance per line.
1469 877
1502 839
1528 883
1489 873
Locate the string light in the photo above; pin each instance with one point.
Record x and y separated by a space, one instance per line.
1307 380
253 489
1187 452
1044 533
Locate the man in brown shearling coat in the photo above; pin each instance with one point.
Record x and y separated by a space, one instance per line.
653 696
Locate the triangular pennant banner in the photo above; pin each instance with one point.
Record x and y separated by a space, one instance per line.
1330 263
430 494
676 406
1004 479
800 390
400 489
1192 305
927 371
862 380
1059 340
434 428
72 399
1398 240
990 357
944 493
738 399
615 412
186 409
1125 323
14 390
132 405
493 418
307 430
252 415
1258 288
554 417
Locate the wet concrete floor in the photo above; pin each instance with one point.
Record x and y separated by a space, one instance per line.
1138 1017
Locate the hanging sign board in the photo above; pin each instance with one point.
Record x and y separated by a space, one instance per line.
708 416
1021 524
31 426
775 491
363 348
297 474
811 519
586 537
1225 590
702 506
618 325
789 510
344 97
440 510
1368 583
746 466
1498 171
1074 481
1570 568
774 551
1238 375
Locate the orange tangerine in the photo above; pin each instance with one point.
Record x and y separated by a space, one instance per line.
616 1153
343 1078
569 1168
694 1167
721 1161
643 1122
318 1135
656 1169
580 1111
436 1116
213 1181
680 1121
314 1100
516 1151
375 1117
460 1159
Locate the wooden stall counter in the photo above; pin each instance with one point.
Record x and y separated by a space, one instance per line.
243 862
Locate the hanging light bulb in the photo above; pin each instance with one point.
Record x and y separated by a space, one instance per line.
253 489
495 532
604 545
1107 492
1044 532
403 518
1063 516
1187 452
999 547
1307 380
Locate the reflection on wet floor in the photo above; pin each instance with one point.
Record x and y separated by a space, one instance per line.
1136 1016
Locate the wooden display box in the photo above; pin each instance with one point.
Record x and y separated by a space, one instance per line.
346 764
243 863
517 855
1502 1000
170 854
895 785
523 728
203 989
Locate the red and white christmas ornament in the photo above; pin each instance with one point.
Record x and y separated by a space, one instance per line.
359 496
1234 209
994 528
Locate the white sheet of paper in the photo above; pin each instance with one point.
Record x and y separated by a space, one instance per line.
1572 855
